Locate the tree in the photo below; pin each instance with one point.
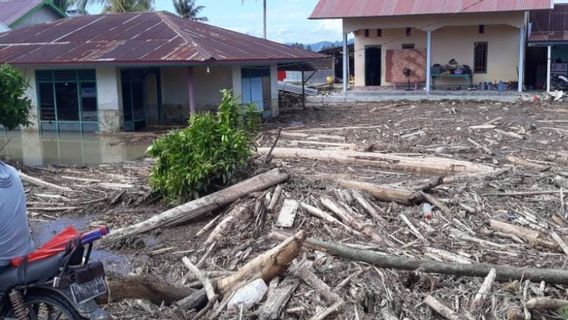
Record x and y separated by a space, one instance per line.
189 10
264 17
116 6
63 5
120 6
14 105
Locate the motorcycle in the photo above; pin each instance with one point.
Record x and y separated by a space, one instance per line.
60 285
559 82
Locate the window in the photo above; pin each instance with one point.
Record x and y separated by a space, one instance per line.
480 57
481 29
379 33
408 46
67 99
408 32
366 33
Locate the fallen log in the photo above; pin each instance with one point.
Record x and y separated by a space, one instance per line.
267 265
504 273
546 304
277 299
41 183
147 287
419 165
197 208
440 308
381 192
237 214
527 164
533 237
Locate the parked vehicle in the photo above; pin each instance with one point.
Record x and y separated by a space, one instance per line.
55 283
559 82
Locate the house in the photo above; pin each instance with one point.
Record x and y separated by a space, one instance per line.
124 71
547 53
20 13
413 40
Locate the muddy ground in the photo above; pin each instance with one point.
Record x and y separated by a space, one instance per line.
118 195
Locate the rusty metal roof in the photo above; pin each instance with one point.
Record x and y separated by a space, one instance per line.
550 26
335 9
12 10
147 38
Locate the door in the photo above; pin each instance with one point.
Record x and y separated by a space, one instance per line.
372 66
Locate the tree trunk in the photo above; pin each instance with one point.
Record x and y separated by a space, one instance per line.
197 208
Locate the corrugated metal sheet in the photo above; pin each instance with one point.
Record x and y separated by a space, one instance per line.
330 9
150 37
12 10
550 26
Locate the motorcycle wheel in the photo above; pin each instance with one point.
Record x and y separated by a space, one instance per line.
48 306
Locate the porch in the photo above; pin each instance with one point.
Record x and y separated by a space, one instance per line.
492 45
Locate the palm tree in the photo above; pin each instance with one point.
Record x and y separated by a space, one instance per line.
264 16
189 10
62 5
117 6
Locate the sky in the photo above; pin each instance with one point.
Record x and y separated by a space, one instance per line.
287 20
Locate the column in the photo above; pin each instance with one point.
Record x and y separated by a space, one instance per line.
274 103
237 83
109 99
428 61
522 38
191 90
549 68
345 64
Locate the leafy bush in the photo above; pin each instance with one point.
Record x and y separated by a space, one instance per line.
192 161
14 105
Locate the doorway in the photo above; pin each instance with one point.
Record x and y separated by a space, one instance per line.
373 66
535 68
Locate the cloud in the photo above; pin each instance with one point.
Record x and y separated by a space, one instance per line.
330 25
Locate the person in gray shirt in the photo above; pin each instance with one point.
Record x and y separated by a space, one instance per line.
15 235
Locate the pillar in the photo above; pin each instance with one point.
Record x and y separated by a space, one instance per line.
191 90
345 64
428 61
109 99
274 102
549 69
522 43
237 83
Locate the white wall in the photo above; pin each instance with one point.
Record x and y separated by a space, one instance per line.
274 90
31 93
109 99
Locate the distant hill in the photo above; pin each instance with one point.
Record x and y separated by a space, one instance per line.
319 46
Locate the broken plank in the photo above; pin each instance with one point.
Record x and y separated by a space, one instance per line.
288 213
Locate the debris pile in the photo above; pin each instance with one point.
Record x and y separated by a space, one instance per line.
391 211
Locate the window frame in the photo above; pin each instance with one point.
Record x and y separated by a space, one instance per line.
480 63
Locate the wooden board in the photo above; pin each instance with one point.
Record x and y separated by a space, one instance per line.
288 213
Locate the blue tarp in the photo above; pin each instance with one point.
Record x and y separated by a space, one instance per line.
15 236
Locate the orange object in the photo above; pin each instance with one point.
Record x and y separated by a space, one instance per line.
54 246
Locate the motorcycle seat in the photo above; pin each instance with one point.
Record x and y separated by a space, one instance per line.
34 272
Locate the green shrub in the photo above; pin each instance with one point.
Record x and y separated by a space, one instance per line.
192 161
14 105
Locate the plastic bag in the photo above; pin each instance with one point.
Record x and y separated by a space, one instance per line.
54 246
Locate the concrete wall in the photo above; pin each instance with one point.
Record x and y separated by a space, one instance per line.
209 84
41 15
175 96
109 99
237 77
455 42
453 36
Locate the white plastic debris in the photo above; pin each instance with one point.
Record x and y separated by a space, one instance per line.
248 295
557 95
426 211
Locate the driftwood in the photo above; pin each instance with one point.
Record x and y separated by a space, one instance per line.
147 287
267 265
546 304
441 309
419 165
350 220
41 183
207 285
304 273
504 273
382 193
533 237
316 212
237 214
278 296
201 206
479 298
275 198
527 164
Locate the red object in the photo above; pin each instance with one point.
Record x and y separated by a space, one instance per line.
281 75
328 9
54 246
140 38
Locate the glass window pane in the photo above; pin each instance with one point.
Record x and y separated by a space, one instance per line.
67 101
89 101
47 106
